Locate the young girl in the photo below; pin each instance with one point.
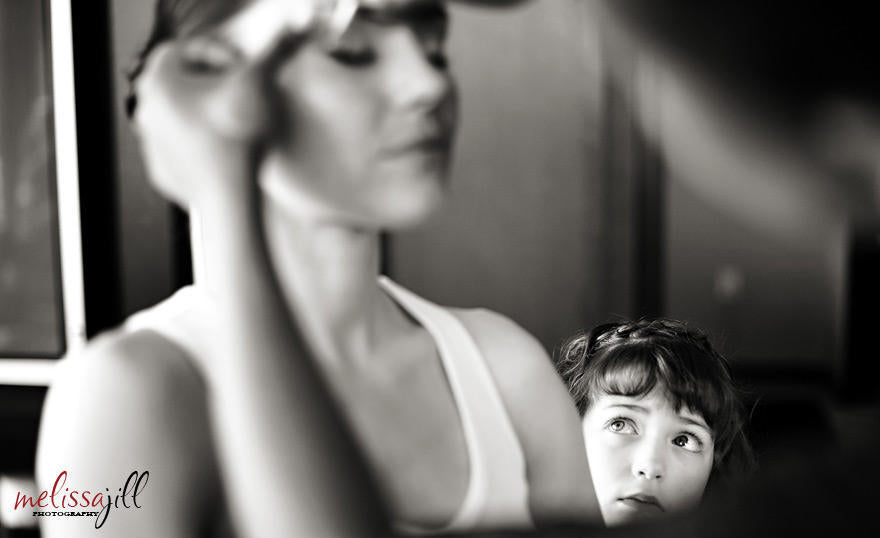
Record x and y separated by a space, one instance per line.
661 416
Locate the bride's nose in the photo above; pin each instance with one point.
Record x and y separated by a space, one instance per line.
414 79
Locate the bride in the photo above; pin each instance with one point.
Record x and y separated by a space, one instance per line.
296 149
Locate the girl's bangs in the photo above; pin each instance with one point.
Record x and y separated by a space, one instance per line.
634 370
626 371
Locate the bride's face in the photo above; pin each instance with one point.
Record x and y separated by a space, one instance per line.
370 122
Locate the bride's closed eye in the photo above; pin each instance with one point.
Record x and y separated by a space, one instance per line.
432 38
353 48
435 51
353 57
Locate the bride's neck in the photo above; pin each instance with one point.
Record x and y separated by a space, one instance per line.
327 274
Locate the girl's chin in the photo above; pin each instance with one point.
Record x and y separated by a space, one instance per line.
618 516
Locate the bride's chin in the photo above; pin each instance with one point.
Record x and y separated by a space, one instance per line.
404 211
392 205
391 212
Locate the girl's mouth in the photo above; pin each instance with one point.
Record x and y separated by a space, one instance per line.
641 502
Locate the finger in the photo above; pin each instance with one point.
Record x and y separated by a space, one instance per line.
258 27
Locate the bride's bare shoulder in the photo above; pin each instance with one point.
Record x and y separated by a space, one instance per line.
543 415
129 402
125 372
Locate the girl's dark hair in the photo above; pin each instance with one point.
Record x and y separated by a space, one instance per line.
173 19
631 358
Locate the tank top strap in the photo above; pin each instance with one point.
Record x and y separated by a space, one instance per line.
497 494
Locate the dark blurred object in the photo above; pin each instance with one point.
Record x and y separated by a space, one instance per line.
99 181
789 54
861 370
19 533
791 421
20 409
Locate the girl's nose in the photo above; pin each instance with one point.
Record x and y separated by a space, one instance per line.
648 462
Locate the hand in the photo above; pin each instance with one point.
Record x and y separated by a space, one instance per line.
204 113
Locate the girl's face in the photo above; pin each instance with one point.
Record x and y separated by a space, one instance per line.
370 121
646 459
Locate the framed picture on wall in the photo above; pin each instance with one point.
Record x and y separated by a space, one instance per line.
42 309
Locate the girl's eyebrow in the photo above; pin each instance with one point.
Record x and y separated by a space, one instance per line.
695 420
631 407
689 418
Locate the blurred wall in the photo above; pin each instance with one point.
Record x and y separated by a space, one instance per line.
755 220
522 229
757 228
144 217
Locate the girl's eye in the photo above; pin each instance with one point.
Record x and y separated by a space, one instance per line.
621 425
688 442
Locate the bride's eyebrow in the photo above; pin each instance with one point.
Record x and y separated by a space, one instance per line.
419 12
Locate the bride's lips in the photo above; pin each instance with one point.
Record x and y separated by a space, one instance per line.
430 143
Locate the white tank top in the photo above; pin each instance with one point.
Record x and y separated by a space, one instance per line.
497 492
